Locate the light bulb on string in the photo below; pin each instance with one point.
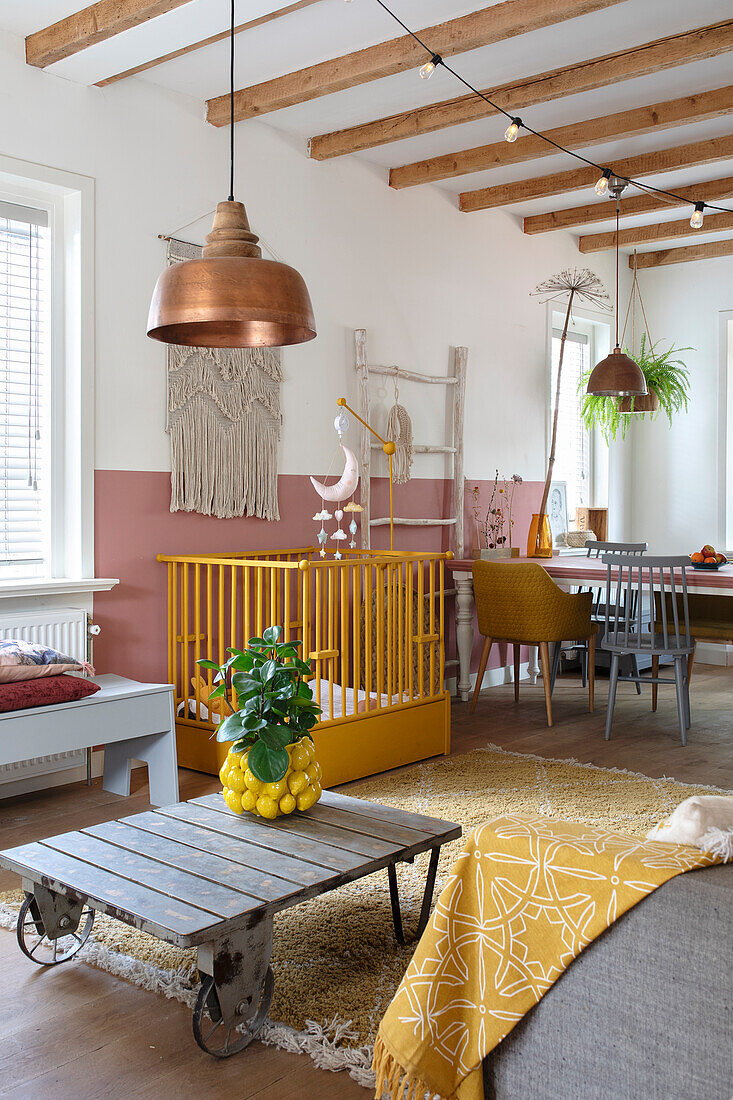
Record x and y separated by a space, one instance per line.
430 66
602 184
512 131
697 215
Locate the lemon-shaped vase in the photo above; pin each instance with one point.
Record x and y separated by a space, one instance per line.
299 789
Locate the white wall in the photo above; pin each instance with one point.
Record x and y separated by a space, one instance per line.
676 472
406 265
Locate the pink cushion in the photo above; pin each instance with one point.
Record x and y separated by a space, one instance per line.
10 674
44 692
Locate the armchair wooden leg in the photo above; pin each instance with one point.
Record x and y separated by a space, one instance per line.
516 673
655 687
481 670
546 681
591 655
691 663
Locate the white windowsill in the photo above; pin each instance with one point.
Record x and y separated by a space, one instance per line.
56 586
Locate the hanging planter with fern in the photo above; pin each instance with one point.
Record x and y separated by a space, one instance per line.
667 381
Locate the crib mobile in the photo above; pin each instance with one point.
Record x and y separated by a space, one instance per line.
339 491
346 485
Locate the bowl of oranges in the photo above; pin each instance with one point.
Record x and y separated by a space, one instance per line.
708 558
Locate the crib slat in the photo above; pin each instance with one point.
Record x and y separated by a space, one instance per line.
344 573
409 650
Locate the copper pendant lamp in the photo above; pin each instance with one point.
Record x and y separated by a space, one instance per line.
231 297
617 375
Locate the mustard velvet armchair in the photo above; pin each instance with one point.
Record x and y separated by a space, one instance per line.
522 605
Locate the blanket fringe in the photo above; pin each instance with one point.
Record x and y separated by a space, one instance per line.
391 1079
719 842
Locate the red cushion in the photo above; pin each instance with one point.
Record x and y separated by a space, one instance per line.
44 692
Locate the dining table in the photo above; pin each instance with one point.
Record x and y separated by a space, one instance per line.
569 571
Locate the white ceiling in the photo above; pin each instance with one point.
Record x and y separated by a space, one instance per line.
330 28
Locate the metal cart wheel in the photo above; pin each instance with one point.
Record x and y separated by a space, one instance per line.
209 1029
36 945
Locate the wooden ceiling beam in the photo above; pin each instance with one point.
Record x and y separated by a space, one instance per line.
646 164
210 41
709 191
598 72
683 255
660 231
577 135
90 26
468 32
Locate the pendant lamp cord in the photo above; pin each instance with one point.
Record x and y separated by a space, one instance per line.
617 231
231 105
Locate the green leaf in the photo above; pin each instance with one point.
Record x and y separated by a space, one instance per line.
252 722
244 682
243 662
277 737
244 744
272 635
208 664
267 764
230 729
269 670
303 704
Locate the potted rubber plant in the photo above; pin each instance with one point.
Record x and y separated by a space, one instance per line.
668 382
271 767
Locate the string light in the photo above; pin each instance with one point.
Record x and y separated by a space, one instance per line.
602 184
430 66
512 131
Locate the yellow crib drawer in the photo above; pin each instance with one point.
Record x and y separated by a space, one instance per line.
348 748
365 744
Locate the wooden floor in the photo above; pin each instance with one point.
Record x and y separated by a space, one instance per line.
78 1032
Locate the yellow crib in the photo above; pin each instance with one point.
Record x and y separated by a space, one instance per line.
372 625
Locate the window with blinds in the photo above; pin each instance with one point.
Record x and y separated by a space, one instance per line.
573 455
25 317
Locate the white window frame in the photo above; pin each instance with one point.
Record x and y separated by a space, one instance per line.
69 200
597 327
725 429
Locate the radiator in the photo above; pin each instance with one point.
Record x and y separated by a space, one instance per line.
65 629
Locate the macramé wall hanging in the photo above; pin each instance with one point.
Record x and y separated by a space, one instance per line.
224 424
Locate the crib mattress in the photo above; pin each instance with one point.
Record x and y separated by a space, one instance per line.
343 702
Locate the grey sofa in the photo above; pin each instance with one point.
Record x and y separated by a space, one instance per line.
644 1013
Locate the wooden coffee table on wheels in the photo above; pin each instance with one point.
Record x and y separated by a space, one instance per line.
196 875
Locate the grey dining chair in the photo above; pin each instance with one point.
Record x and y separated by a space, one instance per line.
663 581
595 549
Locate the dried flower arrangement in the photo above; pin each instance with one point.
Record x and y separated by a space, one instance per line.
494 530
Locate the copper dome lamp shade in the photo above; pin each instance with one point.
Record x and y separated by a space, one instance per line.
617 375
231 297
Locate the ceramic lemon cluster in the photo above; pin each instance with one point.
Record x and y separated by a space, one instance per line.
271 767
300 787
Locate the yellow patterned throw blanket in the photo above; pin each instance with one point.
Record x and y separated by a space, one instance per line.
526 895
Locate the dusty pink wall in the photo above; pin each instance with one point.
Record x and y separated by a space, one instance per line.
134 523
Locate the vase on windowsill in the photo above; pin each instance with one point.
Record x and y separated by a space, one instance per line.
539 541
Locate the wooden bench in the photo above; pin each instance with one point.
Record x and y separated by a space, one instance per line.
133 721
196 875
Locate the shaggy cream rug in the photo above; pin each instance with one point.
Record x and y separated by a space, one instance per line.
335 959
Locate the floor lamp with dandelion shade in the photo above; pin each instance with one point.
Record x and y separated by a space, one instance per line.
585 286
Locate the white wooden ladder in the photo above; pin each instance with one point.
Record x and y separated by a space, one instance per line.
455 385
